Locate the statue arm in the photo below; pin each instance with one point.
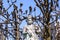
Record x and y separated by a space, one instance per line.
38 30
24 30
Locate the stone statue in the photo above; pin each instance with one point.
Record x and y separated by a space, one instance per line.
31 31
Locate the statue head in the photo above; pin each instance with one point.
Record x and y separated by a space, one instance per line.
29 19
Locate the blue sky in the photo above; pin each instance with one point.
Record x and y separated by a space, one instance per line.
26 4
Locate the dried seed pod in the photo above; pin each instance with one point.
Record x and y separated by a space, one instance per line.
26 11
21 10
30 8
15 7
21 4
34 8
8 1
4 10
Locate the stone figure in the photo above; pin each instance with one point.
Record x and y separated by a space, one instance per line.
31 31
